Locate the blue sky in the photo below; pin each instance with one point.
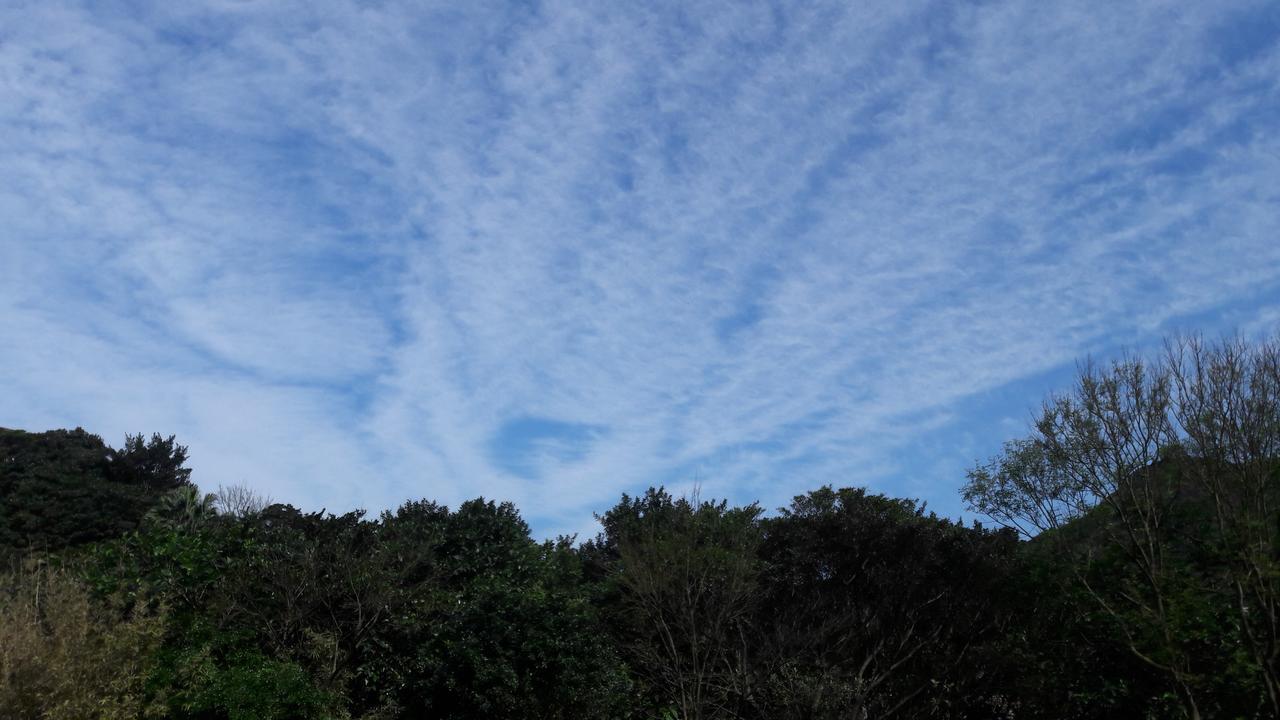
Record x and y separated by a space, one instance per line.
353 253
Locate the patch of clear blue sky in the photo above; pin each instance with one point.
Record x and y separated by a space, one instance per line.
524 446
1246 34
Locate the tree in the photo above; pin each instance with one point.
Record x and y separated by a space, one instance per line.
67 487
686 573
498 626
158 464
1155 480
241 501
184 508
1228 410
872 608
237 645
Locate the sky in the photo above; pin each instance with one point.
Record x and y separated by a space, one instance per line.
353 253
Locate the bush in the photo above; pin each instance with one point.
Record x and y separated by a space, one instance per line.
63 655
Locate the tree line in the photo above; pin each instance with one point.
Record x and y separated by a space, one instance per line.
1129 567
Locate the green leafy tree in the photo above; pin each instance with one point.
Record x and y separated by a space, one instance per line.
497 626
66 487
157 464
872 608
184 508
686 575
219 658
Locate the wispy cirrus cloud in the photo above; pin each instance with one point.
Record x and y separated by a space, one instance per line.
354 253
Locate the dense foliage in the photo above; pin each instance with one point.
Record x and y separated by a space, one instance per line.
67 487
1134 572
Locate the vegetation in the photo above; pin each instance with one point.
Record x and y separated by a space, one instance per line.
1134 571
67 487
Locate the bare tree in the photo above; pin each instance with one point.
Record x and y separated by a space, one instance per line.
1097 453
1228 410
241 501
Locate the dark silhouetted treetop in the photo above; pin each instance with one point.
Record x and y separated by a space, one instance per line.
68 487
